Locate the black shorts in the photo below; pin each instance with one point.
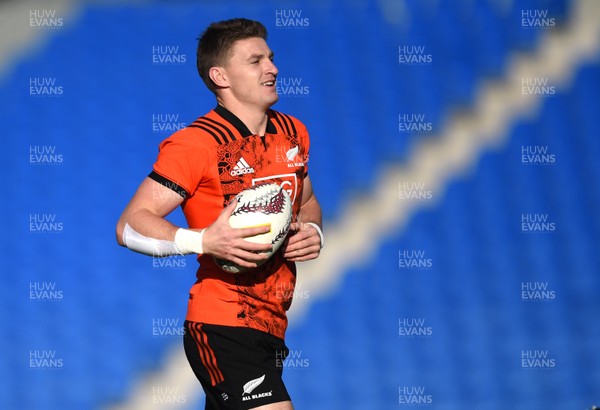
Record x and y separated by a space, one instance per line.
238 367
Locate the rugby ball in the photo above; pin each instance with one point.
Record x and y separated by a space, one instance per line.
265 204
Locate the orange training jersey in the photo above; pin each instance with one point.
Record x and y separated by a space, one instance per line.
208 163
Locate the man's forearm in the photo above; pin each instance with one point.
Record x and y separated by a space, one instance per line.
153 235
311 212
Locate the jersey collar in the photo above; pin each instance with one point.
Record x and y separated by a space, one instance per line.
239 125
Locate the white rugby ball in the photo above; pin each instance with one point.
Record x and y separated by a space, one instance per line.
265 204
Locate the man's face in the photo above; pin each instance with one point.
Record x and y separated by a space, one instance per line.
251 73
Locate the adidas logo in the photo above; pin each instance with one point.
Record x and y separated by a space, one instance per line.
241 168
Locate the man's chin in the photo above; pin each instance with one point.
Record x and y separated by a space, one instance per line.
272 101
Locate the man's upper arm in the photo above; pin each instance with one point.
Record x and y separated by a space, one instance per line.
153 197
157 198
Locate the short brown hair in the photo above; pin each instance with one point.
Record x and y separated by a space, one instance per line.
215 44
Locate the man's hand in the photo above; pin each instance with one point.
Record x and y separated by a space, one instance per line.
224 242
302 244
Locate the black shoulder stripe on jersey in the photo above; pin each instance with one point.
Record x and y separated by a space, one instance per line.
203 121
280 123
216 124
169 184
205 128
289 119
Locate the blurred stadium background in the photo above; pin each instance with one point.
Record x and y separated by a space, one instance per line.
455 152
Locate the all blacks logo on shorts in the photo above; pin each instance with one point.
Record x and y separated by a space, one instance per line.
289 183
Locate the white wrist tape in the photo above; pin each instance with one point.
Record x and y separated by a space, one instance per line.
319 231
183 244
189 241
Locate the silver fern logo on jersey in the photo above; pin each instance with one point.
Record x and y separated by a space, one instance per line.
293 156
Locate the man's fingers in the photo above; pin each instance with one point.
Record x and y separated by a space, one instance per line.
247 246
250 259
255 230
228 210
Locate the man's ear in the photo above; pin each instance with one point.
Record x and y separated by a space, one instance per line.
218 76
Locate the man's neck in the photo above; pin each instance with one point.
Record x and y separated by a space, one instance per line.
254 119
